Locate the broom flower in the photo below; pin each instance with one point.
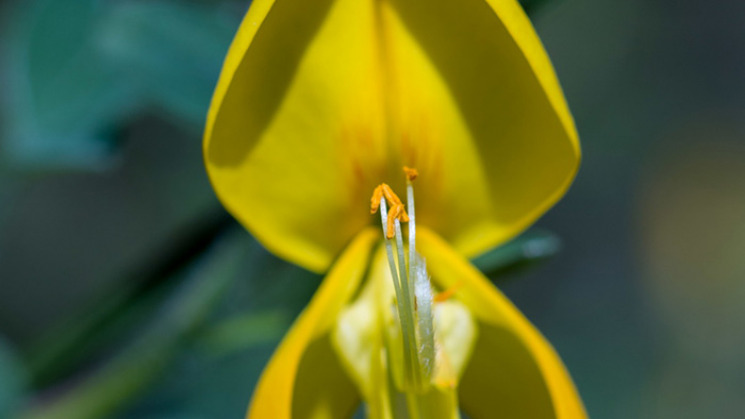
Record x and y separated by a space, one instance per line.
319 106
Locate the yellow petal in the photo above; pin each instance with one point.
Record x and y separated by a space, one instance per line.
358 339
319 101
304 379
456 334
294 78
513 370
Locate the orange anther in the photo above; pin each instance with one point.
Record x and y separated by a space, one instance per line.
375 200
392 215
397 210
403 216
411 173
384 190
448 293
390 196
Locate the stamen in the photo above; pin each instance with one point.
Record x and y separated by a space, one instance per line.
375 200
411 284
390 195
409 312
400 302
398 212
393 216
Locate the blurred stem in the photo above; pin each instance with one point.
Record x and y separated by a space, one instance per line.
77 338
128 373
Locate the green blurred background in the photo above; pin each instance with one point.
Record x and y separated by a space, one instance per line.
126 291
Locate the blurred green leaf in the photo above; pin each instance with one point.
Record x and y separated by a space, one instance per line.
128 373
172 50
62 95
12 379
78 338
529 248
76 71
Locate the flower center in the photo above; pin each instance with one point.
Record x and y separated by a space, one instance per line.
403 347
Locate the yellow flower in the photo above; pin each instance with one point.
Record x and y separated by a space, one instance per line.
321 101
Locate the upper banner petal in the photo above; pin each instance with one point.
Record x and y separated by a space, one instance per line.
298 88
319 101
507 100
